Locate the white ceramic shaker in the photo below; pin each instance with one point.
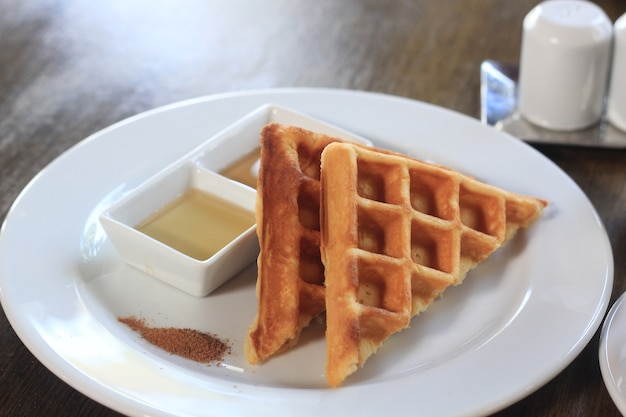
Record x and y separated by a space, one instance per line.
616 112
564 64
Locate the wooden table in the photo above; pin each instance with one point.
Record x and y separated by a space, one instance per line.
69 68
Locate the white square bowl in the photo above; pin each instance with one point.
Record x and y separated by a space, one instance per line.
200 169
197 277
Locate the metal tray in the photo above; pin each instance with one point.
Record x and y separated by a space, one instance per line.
498 108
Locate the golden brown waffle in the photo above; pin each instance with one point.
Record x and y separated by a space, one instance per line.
395 233
290 282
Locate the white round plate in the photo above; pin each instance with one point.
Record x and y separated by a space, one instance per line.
613 353
516 322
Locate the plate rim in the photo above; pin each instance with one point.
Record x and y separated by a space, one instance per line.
608 371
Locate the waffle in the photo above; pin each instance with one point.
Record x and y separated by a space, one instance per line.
396 233
290 282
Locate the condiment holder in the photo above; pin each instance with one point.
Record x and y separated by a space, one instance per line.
616 107
192 224
559 91
564 64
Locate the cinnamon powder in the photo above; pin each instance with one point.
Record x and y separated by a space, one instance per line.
187 343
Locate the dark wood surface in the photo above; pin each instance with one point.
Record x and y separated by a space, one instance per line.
69 68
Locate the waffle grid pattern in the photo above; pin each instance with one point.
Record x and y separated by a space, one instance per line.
438 221
396 232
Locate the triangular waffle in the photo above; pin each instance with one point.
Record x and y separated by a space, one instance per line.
396 232
290 283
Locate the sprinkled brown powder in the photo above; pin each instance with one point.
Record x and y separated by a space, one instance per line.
187 343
